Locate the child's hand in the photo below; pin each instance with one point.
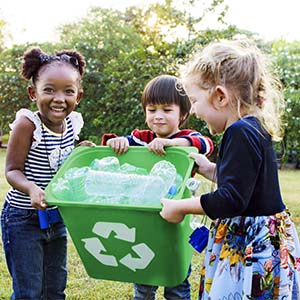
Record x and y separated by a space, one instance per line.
87 143
171 211
119 144
38 197
158 144
204 166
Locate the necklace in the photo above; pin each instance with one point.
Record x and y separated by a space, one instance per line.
59 160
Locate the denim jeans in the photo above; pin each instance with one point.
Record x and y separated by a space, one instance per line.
179 292
36 258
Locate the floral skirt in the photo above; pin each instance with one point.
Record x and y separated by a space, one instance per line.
252 258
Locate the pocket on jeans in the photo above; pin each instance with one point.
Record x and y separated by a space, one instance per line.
17 216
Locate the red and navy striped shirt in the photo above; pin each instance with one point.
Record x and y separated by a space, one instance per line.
143 137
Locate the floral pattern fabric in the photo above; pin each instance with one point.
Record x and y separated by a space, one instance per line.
252 258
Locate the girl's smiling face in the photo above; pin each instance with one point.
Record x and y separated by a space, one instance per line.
56 92
209 105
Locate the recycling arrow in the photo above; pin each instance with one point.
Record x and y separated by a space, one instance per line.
122 231
94 246
145 257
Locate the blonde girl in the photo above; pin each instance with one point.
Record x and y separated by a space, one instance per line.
253 250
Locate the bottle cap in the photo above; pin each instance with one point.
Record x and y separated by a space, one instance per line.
172 190
192 184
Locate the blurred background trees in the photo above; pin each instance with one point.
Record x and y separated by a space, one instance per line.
125 49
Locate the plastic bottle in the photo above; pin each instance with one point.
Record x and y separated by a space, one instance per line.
105 181
129 188
167 172
61 189
109 163
131 169
72 186
193 184
172 191
175 187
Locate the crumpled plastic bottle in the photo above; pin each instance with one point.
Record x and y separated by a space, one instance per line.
137 189
132 188
106 181
131 169
167 171
72 186
109 163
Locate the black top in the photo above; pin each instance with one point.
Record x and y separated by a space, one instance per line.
247 174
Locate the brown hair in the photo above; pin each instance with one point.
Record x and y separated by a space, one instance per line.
163 90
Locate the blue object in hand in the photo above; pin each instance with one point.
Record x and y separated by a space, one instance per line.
199 238
48 216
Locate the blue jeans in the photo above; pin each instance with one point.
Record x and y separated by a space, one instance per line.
36 259
179 292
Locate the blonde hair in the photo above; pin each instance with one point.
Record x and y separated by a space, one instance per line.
241 68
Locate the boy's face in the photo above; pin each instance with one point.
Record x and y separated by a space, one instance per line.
163 119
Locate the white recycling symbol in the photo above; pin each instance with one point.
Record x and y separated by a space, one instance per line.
95 247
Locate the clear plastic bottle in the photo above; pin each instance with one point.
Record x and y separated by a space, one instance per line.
131 169
167 172
128 188
106 182
61 189
72 186
103 183
175 187
109 163
148 191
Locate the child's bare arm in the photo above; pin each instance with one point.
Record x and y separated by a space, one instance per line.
18 147
204 166
175 211
158 144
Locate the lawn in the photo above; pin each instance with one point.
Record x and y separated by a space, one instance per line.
81 287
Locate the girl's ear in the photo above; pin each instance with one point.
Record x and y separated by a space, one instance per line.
31 93
221 97
79 96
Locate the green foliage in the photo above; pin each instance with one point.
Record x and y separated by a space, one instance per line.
123 53
10 85
287 58
124 50
111 47
13 95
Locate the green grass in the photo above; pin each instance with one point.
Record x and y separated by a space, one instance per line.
81 287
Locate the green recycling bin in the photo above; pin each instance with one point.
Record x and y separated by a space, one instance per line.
125 242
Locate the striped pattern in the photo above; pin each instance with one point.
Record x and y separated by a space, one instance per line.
203 143
42 162
143 137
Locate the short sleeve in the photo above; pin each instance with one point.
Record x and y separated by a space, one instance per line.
77 123
37 134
